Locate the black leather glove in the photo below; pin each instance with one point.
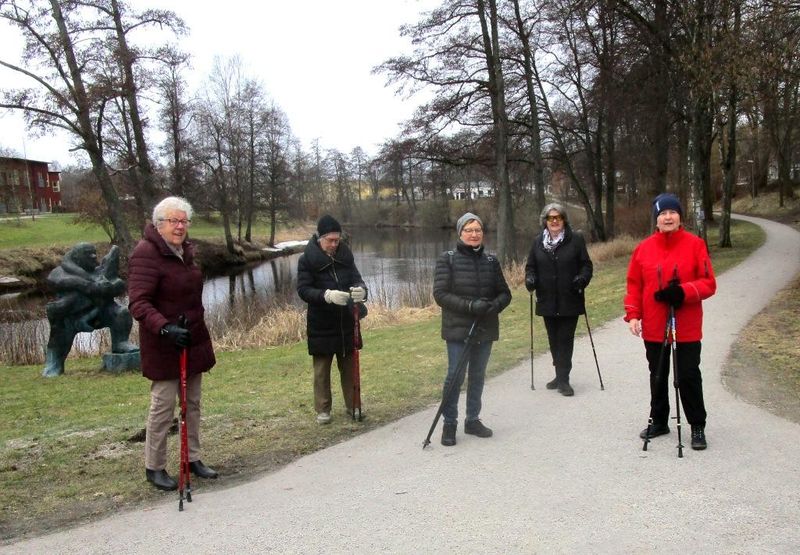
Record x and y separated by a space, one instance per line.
530 283
480 307
672 294
578 284
494 307
178 335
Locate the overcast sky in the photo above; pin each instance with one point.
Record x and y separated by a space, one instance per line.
314 58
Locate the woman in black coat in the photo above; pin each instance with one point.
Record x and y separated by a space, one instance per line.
558 270
329 281
470 287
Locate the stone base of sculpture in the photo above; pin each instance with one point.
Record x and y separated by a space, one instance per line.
116 363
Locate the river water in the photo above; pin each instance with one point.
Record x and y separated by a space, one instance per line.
396 264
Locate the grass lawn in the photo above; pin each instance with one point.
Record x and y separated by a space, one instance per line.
66 452
60 229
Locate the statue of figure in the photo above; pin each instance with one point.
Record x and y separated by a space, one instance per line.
85 302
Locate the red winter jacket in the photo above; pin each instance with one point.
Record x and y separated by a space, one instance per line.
161 287
653 264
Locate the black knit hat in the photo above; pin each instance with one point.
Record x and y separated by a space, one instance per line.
666 201
328 224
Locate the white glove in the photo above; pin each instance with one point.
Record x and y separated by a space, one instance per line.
358 294
332 296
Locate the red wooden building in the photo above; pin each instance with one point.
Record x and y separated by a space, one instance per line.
28 185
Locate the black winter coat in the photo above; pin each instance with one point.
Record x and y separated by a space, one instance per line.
329 327
471 276
554 272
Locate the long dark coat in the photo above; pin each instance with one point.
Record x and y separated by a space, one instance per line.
161 287
329 327
472 275
554 272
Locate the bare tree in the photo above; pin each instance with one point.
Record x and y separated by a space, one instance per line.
59 59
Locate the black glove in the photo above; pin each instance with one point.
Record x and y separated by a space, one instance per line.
672 294
480 307
178 335
530 283
578 284
494 307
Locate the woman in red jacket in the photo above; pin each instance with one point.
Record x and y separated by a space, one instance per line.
164 283
671 268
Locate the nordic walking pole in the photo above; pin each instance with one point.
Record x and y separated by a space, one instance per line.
460 368
183 472
586 316
664 346
532 387
674 347
356 364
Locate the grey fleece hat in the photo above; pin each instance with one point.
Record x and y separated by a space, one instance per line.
462 221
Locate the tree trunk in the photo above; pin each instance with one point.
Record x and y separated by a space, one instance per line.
491 47
90 140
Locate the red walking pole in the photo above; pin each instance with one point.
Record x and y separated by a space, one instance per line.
184 479
357 344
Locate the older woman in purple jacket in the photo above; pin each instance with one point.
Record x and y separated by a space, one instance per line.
164 284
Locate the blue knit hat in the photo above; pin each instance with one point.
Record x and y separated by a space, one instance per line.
666 201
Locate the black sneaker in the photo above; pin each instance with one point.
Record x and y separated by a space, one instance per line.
655 431
699 438
565 389
476 428
449 434
552 384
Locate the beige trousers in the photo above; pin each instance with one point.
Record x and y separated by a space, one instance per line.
322 381
163 397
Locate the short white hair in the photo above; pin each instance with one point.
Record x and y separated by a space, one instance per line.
169 204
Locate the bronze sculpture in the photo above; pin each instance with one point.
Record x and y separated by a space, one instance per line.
85 302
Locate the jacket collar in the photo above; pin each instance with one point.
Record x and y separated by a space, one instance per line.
151 234
318 260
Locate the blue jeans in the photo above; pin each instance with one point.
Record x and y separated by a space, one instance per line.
476 368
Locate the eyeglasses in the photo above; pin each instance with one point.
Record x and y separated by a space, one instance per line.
555 218
176 221
472 230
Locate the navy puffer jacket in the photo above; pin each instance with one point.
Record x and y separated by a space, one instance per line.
329 327
554 272
473 275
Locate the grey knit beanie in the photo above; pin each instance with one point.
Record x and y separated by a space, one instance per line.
462 221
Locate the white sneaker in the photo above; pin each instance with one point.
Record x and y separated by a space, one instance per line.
324 418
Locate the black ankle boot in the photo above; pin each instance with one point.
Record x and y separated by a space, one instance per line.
553 384
699 438
160 479
202 471
565 389
449 434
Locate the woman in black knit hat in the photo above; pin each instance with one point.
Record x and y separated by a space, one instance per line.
328 280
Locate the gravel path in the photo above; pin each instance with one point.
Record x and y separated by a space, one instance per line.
559 476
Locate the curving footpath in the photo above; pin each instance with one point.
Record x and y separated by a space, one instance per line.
559 476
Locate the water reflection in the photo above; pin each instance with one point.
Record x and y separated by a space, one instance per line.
391 262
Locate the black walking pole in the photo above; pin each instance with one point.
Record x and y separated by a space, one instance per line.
460 368
664 346
532 387
674 347
591 340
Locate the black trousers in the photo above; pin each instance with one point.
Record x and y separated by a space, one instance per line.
561 336
690 382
